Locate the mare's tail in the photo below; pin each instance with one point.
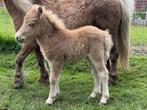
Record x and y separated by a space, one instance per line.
123 43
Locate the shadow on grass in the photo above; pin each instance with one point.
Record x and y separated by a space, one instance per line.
8 44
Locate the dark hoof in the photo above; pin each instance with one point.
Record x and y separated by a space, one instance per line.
113 80
44 79
18 81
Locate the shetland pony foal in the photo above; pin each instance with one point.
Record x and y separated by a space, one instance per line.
59 44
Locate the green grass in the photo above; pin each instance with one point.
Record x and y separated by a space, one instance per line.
138 35
7 33
129 94
6 25
76 83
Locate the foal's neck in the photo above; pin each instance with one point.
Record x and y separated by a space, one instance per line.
48 30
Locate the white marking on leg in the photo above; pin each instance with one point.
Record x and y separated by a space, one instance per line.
97 81
102 73
54 80
105 90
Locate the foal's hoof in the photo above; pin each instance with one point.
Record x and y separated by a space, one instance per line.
104 100
92 96
18 80
101 103
49 101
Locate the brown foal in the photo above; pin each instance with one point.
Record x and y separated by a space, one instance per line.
59 44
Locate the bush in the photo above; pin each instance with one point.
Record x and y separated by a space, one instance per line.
138 15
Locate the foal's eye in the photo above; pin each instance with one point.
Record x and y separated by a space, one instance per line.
31 24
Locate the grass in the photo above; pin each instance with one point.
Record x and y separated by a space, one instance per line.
76 83
138 35
7 33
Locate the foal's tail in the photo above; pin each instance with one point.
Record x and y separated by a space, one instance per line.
108 43
123 43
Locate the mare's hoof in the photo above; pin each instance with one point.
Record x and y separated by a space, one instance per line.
113 80
44 79
18 80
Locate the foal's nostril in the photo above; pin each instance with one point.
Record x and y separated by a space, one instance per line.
17 37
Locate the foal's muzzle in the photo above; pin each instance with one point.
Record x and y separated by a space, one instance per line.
19 39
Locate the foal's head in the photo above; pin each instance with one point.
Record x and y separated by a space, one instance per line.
31 24
37 22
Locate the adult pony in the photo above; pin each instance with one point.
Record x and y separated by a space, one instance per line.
105 14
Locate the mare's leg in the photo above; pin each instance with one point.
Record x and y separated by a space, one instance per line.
112 63
113 75
55 68
44 74
24 52
97 81
102 72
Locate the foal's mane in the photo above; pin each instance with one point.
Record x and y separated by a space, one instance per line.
54 19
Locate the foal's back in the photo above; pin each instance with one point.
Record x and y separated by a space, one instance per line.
78 42
89 32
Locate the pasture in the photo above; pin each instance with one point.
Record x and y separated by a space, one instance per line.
76 81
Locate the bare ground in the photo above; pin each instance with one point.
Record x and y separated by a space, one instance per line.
139 50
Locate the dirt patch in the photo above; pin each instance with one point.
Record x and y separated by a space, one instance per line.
139 50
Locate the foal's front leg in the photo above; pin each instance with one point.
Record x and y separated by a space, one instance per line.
25 51
43 72
55 68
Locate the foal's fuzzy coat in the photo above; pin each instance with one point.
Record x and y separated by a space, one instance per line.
59 44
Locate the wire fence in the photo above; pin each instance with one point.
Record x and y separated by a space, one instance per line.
139 18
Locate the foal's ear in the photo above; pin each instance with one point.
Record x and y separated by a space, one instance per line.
40 11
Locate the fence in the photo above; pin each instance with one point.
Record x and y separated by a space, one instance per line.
139 18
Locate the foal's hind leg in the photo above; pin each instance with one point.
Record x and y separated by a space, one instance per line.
44 74
97 81
102 72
